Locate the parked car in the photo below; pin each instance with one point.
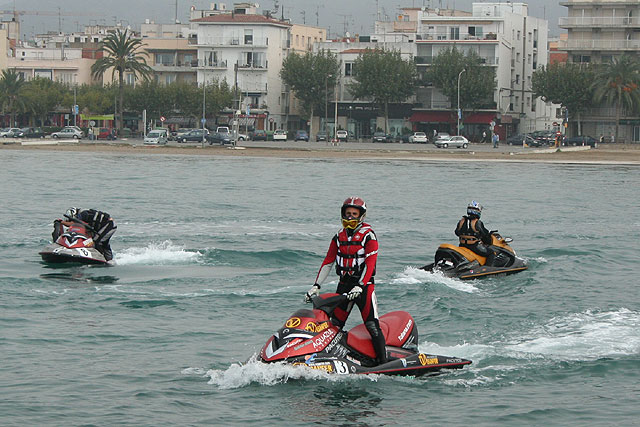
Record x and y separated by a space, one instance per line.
68 132
9 132
301 135
280 135
321 136
342 136
222 129
157 137
544 137
30 133
196 135
581 140
106 133
259 135
452 141
519 139
175 136
221 138
238 136
418 137
380 137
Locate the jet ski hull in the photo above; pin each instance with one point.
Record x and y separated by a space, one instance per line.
55 253
476 271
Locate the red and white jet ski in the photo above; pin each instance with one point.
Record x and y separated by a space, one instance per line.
74 245
309 339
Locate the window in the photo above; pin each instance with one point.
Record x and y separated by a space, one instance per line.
518 35
454 33
348 68
169 78
130 79
533 105
475 32
518 57
211 58
164 59
517 79
529 59
248 36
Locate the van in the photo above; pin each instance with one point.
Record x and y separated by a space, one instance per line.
156 136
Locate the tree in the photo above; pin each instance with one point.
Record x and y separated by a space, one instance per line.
384 77
569 85
310 76
617 84
122 54
11 84
41 96
477 84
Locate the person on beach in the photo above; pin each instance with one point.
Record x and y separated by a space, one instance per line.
101 223
473 234
495 139
354 250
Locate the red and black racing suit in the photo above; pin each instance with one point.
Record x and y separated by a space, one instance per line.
475 236
354 253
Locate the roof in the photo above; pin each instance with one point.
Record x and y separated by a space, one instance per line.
235 18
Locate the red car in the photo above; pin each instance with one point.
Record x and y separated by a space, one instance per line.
106 133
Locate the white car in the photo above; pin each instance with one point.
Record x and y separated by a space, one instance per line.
452 141
280 135
9 132
157 137
420 137
68 133
342 135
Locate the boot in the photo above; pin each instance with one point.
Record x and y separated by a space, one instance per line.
377 339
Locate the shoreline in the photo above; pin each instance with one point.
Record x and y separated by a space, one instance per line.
618 154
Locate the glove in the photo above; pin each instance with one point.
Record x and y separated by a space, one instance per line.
313 292
354 293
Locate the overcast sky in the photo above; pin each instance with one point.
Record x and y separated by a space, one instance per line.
356 16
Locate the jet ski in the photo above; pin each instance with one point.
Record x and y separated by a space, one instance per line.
463 263
74 245
308 338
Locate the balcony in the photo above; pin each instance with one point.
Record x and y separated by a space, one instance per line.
254 87
599 22
176 67
228 42
446 36
606 45
253 66
221 65
428 60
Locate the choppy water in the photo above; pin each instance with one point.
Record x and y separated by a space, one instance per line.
213 254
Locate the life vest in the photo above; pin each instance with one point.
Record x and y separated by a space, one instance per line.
351 255
467 231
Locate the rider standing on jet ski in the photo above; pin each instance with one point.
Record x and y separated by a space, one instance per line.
473 234
354 250
101 223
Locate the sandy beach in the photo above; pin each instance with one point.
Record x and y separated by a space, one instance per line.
628 154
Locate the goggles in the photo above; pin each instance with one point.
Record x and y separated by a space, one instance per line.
350 223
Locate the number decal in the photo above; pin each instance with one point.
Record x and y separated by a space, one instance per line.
341 367
84 252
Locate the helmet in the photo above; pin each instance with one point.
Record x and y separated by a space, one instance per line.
474 209
353 202
72 212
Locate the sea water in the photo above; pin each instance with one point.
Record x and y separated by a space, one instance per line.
213 254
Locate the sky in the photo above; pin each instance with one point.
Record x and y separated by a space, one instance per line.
354 16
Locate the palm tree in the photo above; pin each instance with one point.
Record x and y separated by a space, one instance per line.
122 54
617 84
11 84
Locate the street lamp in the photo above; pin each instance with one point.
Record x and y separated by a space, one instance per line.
459 75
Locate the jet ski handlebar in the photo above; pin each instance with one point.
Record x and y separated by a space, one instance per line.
79 221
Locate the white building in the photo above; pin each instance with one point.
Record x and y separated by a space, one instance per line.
246 50
507 39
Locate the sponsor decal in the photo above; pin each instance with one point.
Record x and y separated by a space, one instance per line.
322 340
326 366
405 330
351 359
334 342
426 360
454 361
294 342
322 326
310 358
404 362
302 345
311 327
293 322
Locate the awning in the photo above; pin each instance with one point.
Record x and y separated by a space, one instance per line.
432 117
478 118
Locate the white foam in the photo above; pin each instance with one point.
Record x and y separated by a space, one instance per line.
269 374
156 254
413 275
585 336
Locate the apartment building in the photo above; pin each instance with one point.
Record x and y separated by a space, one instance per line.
247 50
507 39
598 31
170 55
